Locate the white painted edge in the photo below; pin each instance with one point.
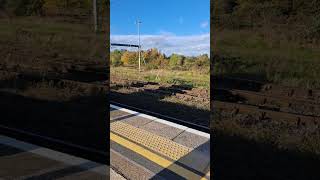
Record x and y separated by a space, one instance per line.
51 154
185 128
197 132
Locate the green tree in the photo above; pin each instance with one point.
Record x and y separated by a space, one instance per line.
176 60
116 58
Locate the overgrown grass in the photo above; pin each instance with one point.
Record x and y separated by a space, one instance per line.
54 37
190 78
277 60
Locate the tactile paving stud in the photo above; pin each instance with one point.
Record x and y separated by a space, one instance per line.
161 145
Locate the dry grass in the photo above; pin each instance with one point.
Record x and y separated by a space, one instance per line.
192 78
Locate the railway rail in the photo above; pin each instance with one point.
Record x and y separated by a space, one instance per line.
262 114
170 92
299 106
265 87
235 100
260 100
263 101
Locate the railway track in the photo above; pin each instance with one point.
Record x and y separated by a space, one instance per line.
161 88
233 85
169 98
259 102
300 106
265 87
169 92
260 110
262 100
262 114
65 78
275 106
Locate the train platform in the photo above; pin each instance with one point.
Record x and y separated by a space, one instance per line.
21 160
146 147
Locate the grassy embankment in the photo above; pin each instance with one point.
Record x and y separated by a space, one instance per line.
36 46
52 36
40 44
254 55
165 76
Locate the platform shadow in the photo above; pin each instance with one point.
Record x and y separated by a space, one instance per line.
67 171
78 121
237 158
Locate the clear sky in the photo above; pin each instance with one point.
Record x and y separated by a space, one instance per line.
173 26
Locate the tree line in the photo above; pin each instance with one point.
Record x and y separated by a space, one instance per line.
296 19
48 7
154 59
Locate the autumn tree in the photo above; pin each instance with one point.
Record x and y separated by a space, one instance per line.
202 60
129 58
155 60
151 55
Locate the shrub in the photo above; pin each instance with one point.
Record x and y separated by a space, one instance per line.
115 58
176 60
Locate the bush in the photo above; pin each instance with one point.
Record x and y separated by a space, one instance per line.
202 60
116 62
176 60
116 58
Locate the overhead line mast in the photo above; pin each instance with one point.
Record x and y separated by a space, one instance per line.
95 15
132 45
139 48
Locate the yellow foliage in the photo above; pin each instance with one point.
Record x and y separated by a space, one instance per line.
129 58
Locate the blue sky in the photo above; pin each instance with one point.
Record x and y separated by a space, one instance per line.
173 26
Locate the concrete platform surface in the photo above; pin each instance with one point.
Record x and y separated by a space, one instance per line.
146 147
20 160
115 176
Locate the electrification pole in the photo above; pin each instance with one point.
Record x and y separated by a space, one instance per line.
139 48
95 18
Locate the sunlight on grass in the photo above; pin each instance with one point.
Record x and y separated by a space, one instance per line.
191 78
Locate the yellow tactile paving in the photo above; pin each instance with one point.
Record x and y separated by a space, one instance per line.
161 145
155 158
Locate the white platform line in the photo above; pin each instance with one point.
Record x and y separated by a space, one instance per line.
53 155
200 133
185 128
